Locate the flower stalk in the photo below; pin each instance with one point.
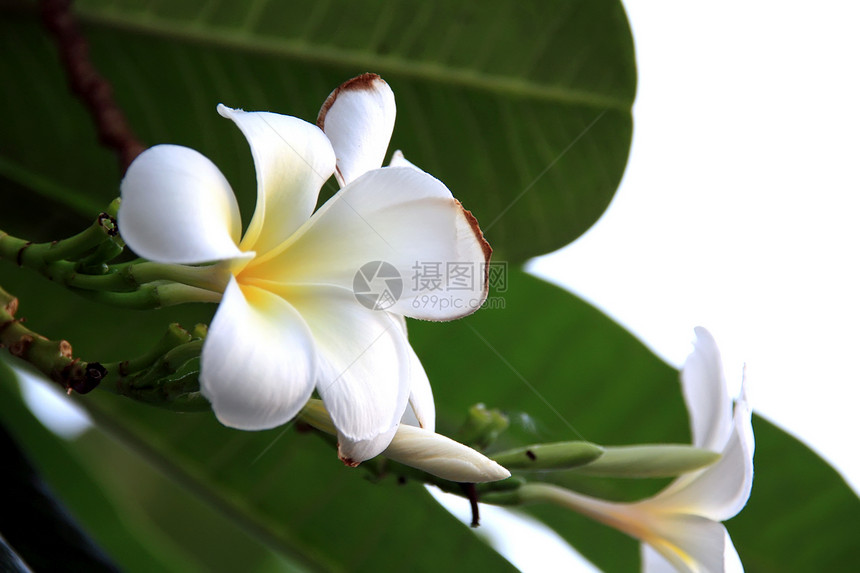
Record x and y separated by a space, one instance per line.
649 461
152 295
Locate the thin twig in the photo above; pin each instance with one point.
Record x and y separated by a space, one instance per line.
86 83
471 494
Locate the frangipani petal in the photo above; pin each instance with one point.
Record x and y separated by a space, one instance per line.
399 160
731 559
363 374
422 408
258 364
420 394
358 118
293 159
442 456
653 562
705 393
353 452
690 543
401 217
177 207
720 491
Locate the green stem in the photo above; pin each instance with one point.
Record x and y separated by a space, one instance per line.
139 285
37 255
210 277
79 263
152 295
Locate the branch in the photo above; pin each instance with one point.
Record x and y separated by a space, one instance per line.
86 83
52 357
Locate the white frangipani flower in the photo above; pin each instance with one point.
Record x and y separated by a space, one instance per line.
681 527
289 322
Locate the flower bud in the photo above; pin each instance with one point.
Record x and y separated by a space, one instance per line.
422 449
556 456
442 456
482 426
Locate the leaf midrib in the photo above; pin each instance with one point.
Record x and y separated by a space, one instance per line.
329 55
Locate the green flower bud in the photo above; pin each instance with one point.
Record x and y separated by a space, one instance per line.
556 456
482 426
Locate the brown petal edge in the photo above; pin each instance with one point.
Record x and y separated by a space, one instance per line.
485 246
359 83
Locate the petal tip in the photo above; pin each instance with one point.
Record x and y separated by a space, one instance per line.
365 82
493 471
347 461
224 111
229 112
399 160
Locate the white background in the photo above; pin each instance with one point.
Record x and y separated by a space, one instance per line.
739 208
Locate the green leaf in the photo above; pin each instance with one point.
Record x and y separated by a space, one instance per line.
802 516
290 490
527 120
